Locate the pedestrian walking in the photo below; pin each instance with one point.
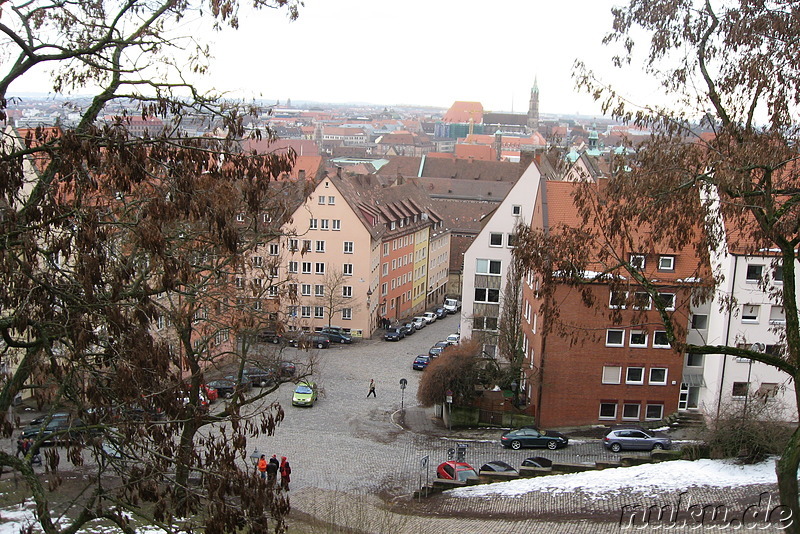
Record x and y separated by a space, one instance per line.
272 470
262 466
372 388
286 471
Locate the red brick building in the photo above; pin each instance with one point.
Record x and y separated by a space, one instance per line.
589 367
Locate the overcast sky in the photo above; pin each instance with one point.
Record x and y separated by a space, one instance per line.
414 52
423 52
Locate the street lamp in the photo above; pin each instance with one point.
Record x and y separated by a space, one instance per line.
255 457
515 390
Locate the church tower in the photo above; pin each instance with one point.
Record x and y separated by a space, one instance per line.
533 107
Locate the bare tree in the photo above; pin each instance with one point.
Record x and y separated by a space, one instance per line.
338 296
734 65
118 263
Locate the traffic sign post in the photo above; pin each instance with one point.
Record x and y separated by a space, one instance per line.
403 384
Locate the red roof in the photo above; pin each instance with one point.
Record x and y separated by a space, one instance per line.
463 112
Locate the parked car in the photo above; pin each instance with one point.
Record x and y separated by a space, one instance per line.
453 339
452 305
419 322
421 362
636 439
335 330
537 461
408 329
498 467
286 369
435 352
211 393
270 336
429 316
61 430
338 337
531 437
441 313
307 339
456 471
393 333
305 394
227 386
41 419
258 377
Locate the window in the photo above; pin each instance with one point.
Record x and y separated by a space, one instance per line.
293 245
323 224
495 240
348 247
306 267
293 267
487 295
306 245
617 299
488 267
384 291
320 246
385 269
272 291
777 315
305 290
740 389
615 338
516 210
754 273
319 268
660 340
331 200
257 282
484 323
292 291
654 412
641 300
239 281
347 291
319 290
638 338
511 240
699 321
777 274
634 375
666 263
750 313
319 312
258 261
347 314
321 200
767 390
658 376
305 311
337 225
273 249
631 411
608 410
637 261
668 300
257 305
392 225
612 374
386 249
312 224
347 269
291 311
694 360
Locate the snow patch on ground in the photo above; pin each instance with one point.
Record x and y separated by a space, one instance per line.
650 479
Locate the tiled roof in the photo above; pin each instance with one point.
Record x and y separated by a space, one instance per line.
462 112
482 152
439 167
302 147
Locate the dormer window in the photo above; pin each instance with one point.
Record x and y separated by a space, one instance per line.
637 261
392 225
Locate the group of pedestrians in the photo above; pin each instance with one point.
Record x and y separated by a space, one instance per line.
269 470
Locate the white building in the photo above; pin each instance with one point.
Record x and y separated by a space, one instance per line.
488 258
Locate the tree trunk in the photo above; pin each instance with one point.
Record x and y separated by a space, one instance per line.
786 469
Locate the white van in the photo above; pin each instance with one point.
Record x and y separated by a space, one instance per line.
452 305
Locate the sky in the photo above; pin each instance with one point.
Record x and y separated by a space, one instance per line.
419 52
415 52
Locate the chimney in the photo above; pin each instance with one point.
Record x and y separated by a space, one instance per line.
526 158
301 174
339 172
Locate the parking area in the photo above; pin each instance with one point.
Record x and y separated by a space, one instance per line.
348 442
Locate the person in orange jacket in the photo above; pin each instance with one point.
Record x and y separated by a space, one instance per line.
262 466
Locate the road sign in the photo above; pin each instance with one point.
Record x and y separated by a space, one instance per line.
403 383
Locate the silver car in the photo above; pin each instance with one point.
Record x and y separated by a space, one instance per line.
636 439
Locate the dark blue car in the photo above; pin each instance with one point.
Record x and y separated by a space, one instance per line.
393 334
421 362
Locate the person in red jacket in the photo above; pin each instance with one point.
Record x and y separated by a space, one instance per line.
286 470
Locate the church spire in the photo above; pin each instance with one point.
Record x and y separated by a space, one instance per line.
533 107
